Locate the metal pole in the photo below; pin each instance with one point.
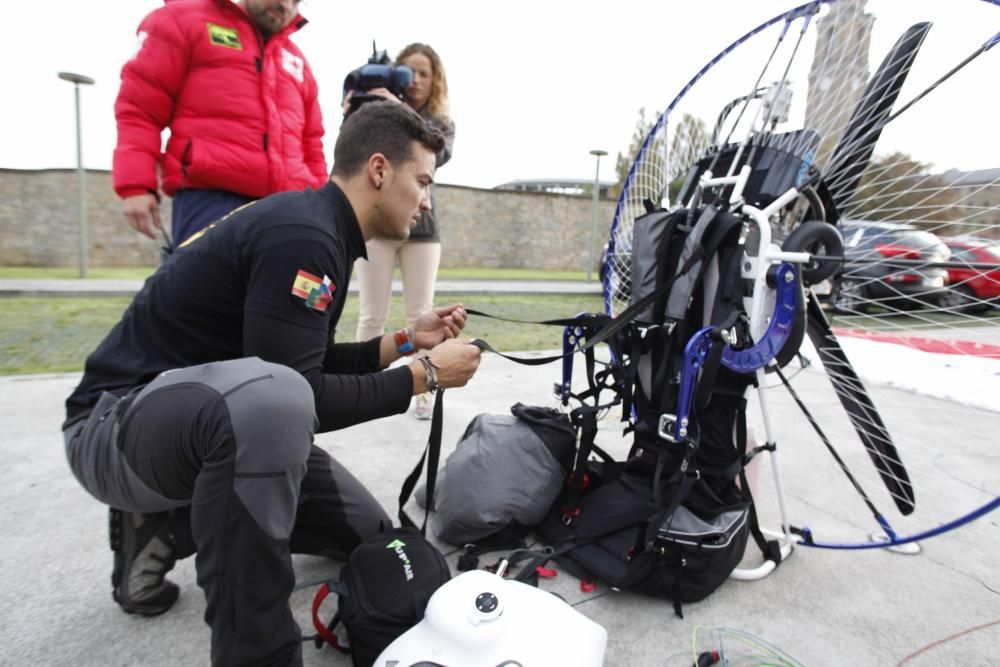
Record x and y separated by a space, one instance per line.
81 204
81 192
593 212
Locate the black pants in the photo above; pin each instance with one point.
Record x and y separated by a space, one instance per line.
231 442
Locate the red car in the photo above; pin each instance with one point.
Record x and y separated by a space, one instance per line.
975 286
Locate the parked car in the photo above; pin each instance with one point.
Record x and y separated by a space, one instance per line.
889 264
975 286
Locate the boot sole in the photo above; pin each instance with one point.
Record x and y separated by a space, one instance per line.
145 610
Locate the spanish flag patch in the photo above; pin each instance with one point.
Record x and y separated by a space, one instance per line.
316 292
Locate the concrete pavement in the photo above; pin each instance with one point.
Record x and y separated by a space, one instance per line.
822 607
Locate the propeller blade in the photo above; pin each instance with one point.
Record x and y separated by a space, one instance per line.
858 404
854 150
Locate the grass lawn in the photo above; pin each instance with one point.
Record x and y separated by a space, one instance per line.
49 334
507 274
55 334
140 272
64 272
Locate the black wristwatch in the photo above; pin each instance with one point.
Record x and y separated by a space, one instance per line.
430 370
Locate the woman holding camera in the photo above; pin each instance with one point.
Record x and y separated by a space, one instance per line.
419 256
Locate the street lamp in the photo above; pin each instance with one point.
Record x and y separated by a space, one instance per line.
76 80
593 210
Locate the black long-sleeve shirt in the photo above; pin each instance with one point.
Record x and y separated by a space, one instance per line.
269 280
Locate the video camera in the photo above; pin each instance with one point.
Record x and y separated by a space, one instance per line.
379 72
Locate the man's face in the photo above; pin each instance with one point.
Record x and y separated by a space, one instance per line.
272 16
405 194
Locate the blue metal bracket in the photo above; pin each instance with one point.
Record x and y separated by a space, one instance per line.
778 330
675 427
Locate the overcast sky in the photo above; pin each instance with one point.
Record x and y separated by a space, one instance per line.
534 85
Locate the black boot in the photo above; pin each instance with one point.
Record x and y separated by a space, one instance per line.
144 553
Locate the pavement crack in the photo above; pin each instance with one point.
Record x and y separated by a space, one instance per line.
965 574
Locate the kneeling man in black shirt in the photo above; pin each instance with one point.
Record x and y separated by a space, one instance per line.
195 416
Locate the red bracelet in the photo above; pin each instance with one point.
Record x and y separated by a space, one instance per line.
404 341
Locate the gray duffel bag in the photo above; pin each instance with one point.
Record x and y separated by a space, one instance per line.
503 476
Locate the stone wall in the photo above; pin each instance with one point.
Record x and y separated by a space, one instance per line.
479 228
39 227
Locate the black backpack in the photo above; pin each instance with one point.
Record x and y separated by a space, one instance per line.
673 519
384 587
382 592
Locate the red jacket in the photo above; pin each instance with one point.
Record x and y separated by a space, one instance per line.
243 114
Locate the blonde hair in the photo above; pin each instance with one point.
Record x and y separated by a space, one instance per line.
437 103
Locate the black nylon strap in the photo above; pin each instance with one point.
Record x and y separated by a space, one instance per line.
579 320
715 233
432 453
609 325
584 420
681 293
770 549
666 518
535 559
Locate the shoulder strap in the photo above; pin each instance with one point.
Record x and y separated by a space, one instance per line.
694 252
324 632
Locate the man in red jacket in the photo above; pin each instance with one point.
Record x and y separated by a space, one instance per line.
241 104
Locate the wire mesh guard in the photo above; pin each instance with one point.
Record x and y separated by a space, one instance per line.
875 111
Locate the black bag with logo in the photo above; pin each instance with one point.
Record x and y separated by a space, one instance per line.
388 579
383 591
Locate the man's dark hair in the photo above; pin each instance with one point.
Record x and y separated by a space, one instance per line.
389 128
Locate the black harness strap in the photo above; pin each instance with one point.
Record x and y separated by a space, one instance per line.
584 419
694 250
432 453
606 325
715 230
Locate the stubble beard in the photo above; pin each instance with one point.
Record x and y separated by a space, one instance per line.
267 25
